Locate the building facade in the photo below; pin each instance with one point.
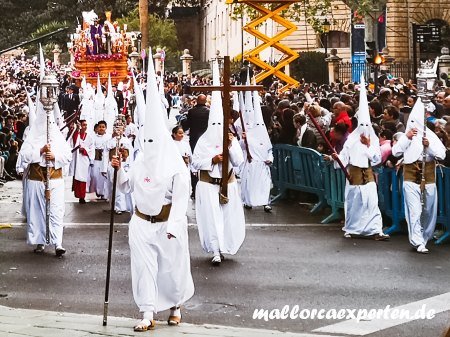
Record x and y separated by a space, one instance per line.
214 30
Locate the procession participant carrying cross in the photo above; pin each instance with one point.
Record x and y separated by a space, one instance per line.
219 210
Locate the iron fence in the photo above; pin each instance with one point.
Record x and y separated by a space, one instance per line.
352 71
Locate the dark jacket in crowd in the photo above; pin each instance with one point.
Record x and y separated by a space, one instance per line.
196 122
118 96
70 104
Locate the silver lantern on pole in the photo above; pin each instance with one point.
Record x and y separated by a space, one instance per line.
48 96
426 79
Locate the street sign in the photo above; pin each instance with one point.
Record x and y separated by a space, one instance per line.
428 33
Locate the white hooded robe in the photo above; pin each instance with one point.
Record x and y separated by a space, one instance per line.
221 227
419 233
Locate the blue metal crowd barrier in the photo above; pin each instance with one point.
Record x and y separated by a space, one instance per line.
390 192
304 169
390 198
298 169
334 185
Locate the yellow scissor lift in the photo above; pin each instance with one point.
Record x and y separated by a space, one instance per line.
270 10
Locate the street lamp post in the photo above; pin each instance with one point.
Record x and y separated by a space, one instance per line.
48 97
326 25
376 67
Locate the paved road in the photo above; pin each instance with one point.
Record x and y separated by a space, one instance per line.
296 262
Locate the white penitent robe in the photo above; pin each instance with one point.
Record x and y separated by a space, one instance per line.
21 167
221 227
362 215
87 109
420 227
123 202
160 267
35 196
79 166
255 175
98 182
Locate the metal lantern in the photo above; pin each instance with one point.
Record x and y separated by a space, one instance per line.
49 91
425 84
426 79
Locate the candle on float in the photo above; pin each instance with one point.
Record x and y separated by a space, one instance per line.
125 27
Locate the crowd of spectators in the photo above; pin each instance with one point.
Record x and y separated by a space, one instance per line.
334 108
287 115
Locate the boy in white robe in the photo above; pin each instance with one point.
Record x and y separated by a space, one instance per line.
123 202
421 219
98 182
158 237
221 227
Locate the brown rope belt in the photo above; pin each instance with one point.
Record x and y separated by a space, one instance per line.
98 154
161 217
39 173
205 177
413 172
360 175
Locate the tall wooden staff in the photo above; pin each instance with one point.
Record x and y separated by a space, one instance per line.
111 226
226 89
328 144
249 156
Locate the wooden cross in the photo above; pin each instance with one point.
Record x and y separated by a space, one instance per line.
226 89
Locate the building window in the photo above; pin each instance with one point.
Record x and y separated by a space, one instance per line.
335 39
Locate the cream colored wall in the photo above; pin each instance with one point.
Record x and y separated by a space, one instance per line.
220 32
401 14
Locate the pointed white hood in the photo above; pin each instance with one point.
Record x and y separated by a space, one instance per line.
37 137
416 120
32 110
248 112
99 99
139 110
41 63
83 83
235 101
58 116
211 142
110 103
364 123
160 160
258 139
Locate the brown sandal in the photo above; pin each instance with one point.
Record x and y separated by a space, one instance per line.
174 320
143 326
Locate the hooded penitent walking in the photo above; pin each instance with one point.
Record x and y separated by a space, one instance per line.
362 151
420 203
255 172
221 227
35 153
158 237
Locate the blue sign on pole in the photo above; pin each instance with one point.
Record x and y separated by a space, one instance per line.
358 52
